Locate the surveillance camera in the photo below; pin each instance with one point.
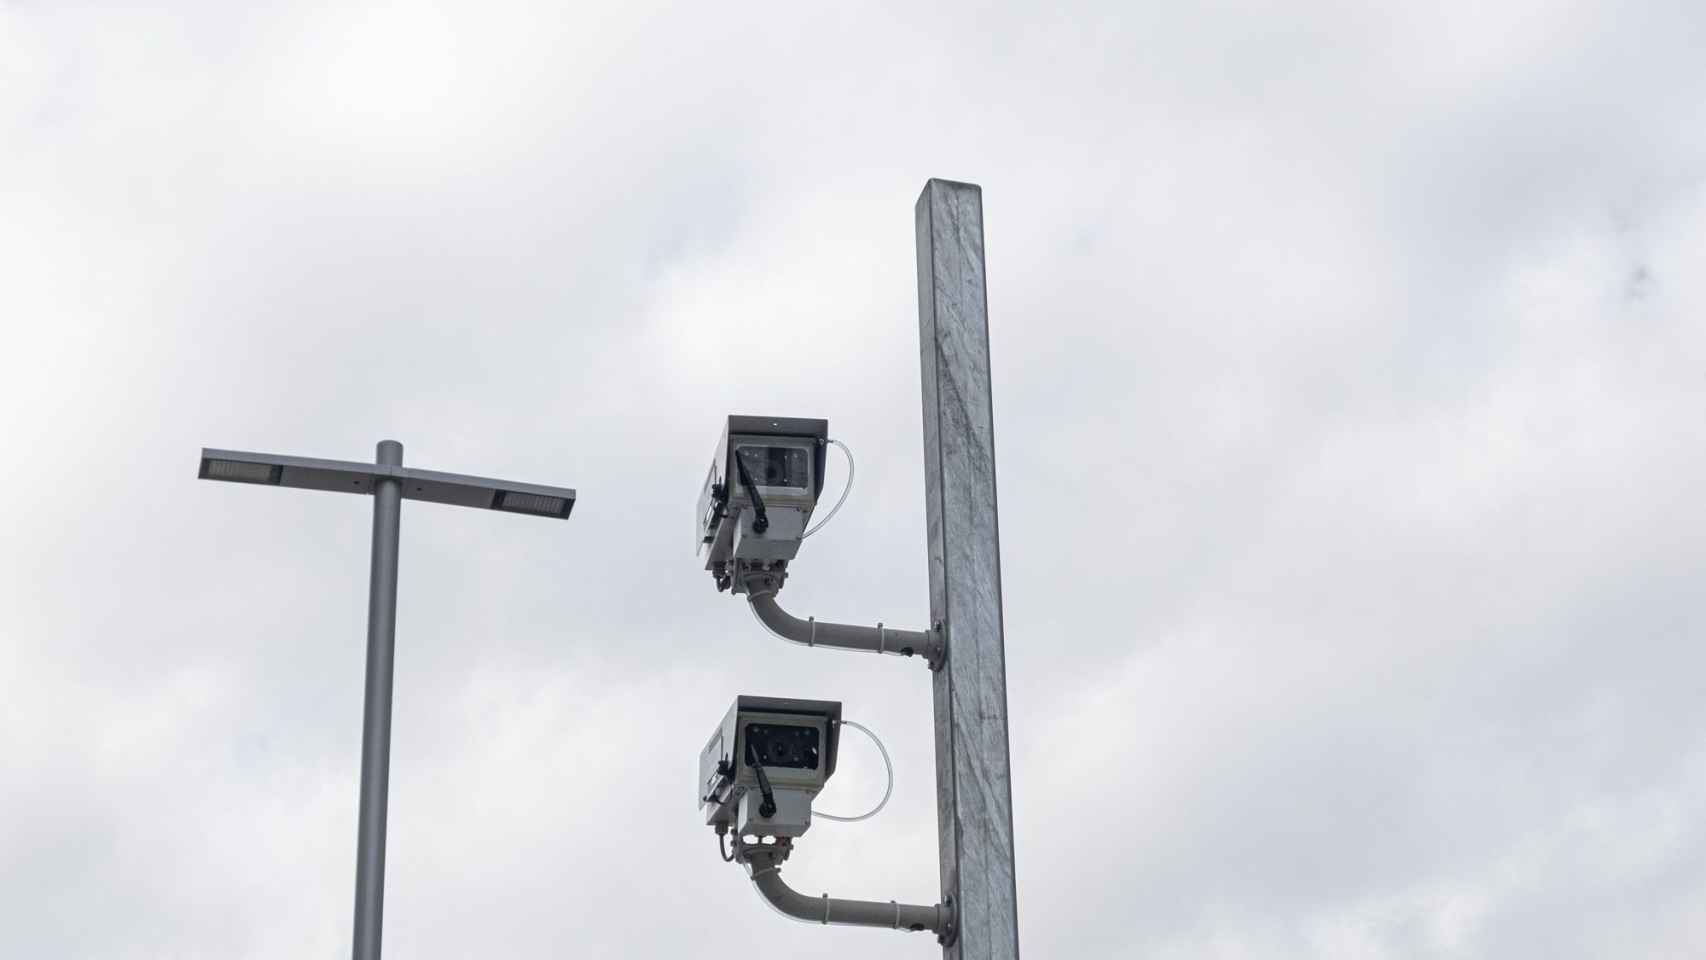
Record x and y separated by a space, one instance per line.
764 481
765 762
758 775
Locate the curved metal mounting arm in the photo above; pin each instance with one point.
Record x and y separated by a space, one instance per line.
764 863
815 633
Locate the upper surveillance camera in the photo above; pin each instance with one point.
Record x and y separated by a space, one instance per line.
764 482
764 764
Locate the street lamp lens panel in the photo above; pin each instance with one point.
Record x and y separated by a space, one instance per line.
533 503
239 471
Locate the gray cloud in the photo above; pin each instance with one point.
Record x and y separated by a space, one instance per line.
1346 368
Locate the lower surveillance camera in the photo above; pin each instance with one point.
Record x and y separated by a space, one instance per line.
764 764
758 776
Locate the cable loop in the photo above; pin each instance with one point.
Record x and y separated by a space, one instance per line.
846 488
887 790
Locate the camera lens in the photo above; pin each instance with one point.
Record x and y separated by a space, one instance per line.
783 745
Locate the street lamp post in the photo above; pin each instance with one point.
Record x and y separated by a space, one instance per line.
390 483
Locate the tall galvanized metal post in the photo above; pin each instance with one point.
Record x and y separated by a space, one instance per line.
974 796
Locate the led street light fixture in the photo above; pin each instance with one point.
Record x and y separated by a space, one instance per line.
344 476
388 483
238 471
537 504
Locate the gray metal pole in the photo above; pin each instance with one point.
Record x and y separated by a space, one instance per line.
376 708
974 796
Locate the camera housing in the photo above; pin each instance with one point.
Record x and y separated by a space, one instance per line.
793 742
764 481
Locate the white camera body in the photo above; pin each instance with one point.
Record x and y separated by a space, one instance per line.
793 742
759 493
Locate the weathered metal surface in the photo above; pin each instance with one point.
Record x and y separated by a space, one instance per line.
974 790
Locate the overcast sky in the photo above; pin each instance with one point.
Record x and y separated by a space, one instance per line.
1348 372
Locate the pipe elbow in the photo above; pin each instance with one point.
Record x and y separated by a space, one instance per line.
812 632
779 621
786 900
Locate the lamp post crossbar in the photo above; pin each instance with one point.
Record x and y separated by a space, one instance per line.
390 483
345 476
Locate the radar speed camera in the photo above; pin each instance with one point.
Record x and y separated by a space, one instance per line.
765 762
763 483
